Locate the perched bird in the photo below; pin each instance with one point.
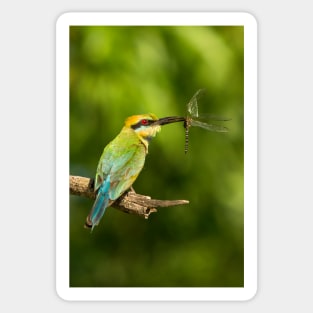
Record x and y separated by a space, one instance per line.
122 160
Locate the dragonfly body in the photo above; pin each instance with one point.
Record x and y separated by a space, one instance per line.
186 125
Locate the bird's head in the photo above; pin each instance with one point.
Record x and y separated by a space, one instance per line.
143 125
148 125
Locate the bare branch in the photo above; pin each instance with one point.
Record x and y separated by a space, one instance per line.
129 202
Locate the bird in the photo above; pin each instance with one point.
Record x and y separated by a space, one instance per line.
122 161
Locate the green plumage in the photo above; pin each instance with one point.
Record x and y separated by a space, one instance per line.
123 159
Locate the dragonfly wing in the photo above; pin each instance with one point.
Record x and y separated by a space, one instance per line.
198 94
212 117
192 106
210 127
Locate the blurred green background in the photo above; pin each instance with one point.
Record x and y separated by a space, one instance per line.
116 72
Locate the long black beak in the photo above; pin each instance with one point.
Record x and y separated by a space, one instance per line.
169 120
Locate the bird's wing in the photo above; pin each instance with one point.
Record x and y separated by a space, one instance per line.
122 162
124 175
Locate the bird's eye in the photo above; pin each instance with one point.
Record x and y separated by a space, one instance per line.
144 122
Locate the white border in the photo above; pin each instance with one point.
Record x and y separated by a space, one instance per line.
250 156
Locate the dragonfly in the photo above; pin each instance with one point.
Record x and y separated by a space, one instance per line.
193 118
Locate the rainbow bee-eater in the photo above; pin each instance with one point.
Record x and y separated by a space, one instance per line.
122 160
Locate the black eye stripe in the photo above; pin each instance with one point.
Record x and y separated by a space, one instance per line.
139 124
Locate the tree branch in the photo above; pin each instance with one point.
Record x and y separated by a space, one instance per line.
129 202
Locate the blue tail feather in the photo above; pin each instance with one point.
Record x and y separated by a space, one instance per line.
100 204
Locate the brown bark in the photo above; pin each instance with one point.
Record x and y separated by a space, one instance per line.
129 202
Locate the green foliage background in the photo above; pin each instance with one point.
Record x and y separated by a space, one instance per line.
116 72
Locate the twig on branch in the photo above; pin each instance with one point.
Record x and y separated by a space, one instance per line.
129 202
